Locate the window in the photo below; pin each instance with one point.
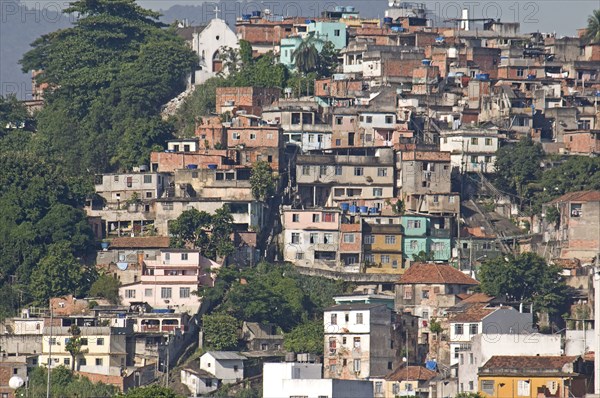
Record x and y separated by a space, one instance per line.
471 361
474 159
487 386
322 170
338 120
82 362
474 140
385 259
99 361
357 342
369 259
576 210
184 292
53 341
359 318
408 292
167 206
369 239
369 119
328 238
338 170
381 172
336 32
252 136
295 237
358 171
488 159
328 217
357 365
184 256
413 224
389 119
458 329
334 319
84 341
396 389
338 142
165 292
130 293
100 341
295 217
299 256
394 263
390 240
425 294
305 170
520 72
148 195
471 386
314 238
473 328
148 179
378 192
425 314
348 238
332 369
316 218
148 292
409 387
235 136
462 359
116 178
66 361
488 141
438 247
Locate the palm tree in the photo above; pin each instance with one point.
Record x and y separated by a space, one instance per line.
306 56
592 34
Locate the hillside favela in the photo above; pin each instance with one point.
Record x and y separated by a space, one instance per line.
335 204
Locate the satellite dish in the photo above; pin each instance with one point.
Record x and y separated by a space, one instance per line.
15 382
122 266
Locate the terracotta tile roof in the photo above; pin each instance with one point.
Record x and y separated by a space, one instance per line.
475 298
567 263
414 373
435 274
474 313
149 242
580 196
530 363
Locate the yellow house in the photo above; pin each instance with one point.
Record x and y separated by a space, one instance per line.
103 349
532 377
382 247
404 381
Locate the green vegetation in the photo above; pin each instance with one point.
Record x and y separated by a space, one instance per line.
221 332
63 383
150 392
262 181
517 166
592 33
106 287
525 278
305 338
109 76
73 346
209 233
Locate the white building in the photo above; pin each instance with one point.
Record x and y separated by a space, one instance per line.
198 381
480 319
472 150
208 42
226 366
580 342
282 380
358 341
484 346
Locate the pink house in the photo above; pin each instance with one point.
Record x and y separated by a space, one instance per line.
170 280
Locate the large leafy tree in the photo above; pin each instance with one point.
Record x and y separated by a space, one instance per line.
63 383
154 391
221 332
592 33
109 75
518 165
525 278
305 338
262 181
106 287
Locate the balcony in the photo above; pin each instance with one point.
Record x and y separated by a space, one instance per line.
440 233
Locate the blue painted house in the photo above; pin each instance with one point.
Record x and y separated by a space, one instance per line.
431 235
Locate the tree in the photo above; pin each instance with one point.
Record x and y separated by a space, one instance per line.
73 346
221 332
59 273
63 383
328 60
517 166
108 77
262 181
154 391
106 287
469 395
305 338
306 56
525 278
423 257
592 33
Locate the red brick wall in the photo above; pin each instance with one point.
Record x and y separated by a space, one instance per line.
582 142
263 137
169 162
400 68
250 98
